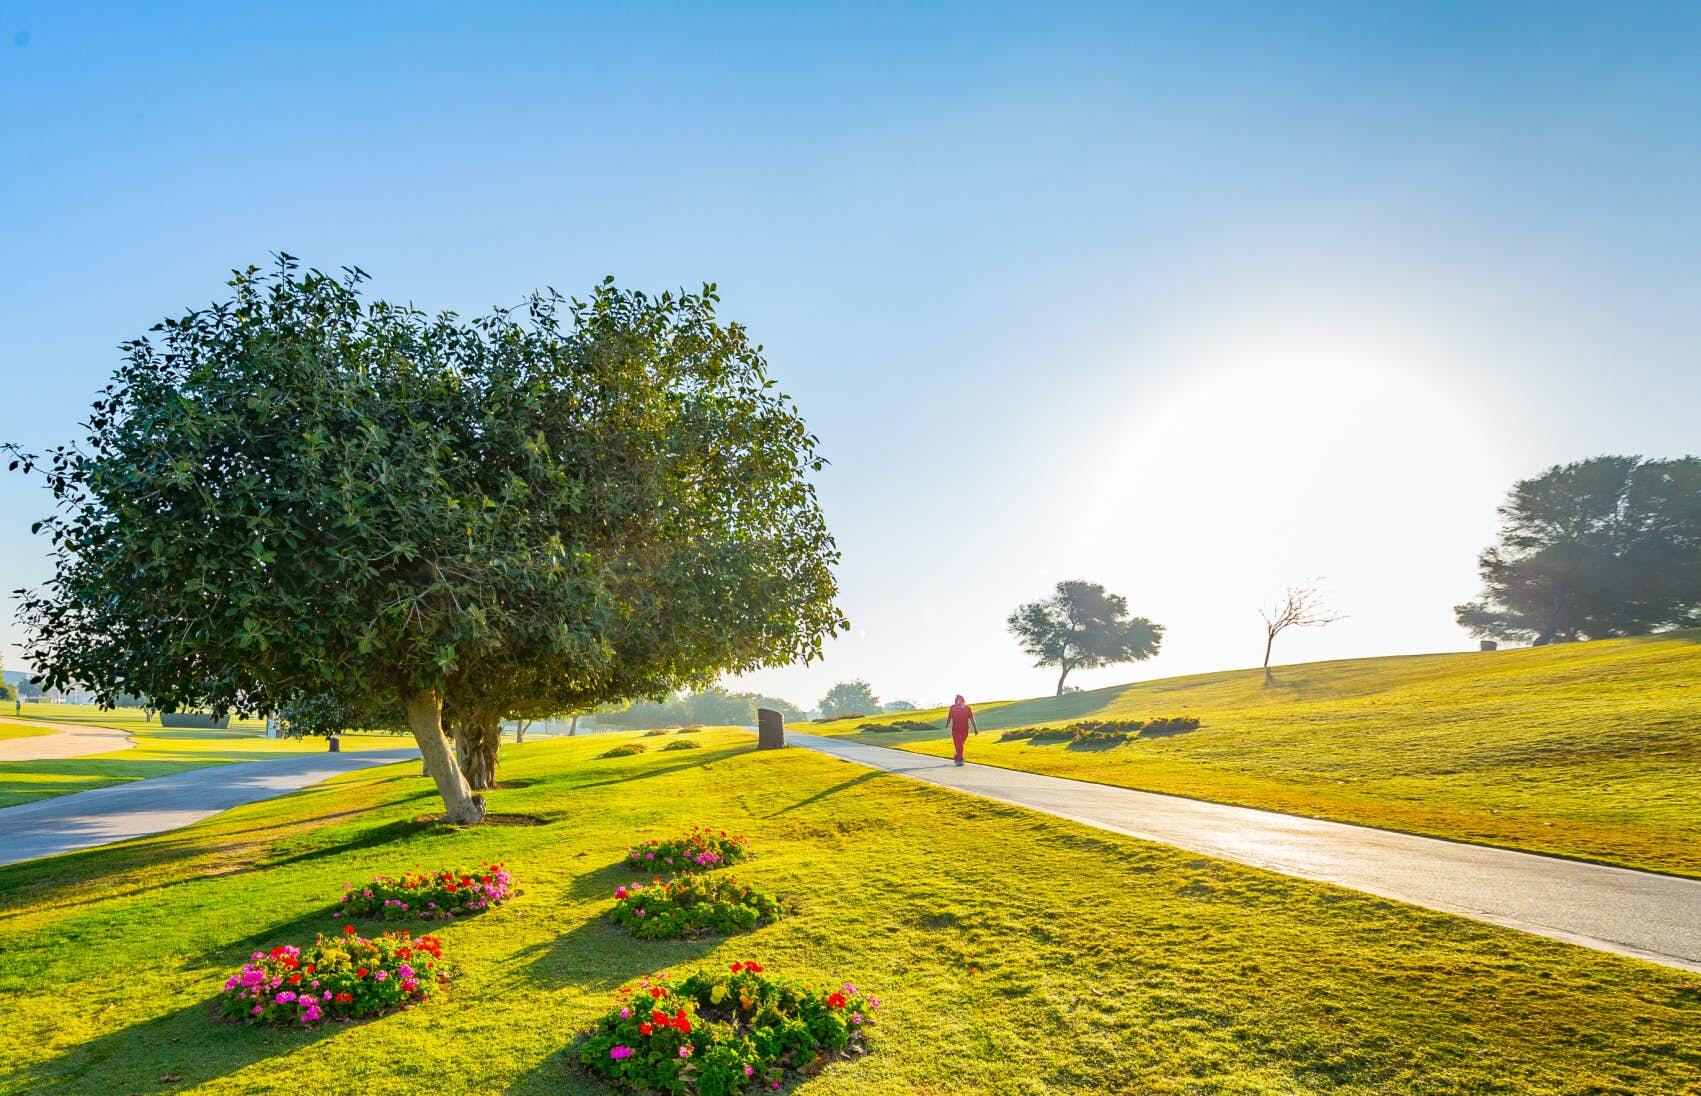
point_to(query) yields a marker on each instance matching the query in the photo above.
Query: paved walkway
(1653, 917)
(67, 740)
(101, 816)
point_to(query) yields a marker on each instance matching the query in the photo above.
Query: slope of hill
(1589, 750)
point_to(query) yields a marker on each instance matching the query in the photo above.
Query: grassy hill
(1015, 953)
(1589, 750)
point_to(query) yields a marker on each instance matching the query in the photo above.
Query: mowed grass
(1015, 953)
(1587, 750)
(10, 729)
(159, 751)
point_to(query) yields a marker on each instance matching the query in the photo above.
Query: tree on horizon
(1083, 626)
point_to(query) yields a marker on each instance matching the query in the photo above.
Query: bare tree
(1301, 606)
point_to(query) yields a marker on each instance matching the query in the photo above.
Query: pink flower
(685, 1051)
(749, 1069)
(620, 1052)
(625, 1014)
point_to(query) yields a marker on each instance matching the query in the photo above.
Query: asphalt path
(1649, 916)
(102, 816)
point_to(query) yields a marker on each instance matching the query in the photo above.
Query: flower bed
(717, 1033)
(691, 905)
(698, 849)
(1111, 732)
(682, 744)
(336, 978)
(427, 896)
(625, 750)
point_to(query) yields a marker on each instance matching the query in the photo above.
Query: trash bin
(770, 729)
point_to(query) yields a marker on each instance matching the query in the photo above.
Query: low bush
(898, 725)
(1110, 732)
(447, 892)
(336, 978)
(689, 730)
(715, 1034)
(625, 749)
(698, 849)
(686, 744)
(691, 905)
(655, 733)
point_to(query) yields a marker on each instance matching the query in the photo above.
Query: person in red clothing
(961, 717)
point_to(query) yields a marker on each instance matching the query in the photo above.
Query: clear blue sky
(1190, 299)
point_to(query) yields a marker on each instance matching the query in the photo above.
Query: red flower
(680, 1022)
(753, 968)
(658, 1017)
(736, 967)
(344, 997)
(295, 979)
(308, 968)
(655, 991)
(348, 930)
(361, 973)
(836, 1000)
(644, 1029)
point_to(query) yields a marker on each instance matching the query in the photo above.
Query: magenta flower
(621, 1052)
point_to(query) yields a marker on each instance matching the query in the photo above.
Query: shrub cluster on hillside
(1110, 732)
(720, 1033)
(899, 725)
(687, 906)
(334, 978)
(626, 749)
(445, 893)
(682, 744)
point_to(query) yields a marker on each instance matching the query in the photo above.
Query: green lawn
(1015, 953)
(11, 729)
(158, 750)
(1589, 750)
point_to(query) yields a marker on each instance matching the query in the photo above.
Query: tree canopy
(1608, 546)
(296, 495)
(849, 698)
(1082, 626)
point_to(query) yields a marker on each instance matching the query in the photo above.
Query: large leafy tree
(297, 497)
(849, 698)
(1082, 626)
(1602, 547)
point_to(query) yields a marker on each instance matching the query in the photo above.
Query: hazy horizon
(1193, 302)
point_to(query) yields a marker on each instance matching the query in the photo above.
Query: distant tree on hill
(897, 706)
(1300, 606)
(849, 698)
(1608, 546)
(1082, 627)
(7, 693)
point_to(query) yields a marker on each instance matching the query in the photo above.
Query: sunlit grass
(1589, 750)
(1015, 953)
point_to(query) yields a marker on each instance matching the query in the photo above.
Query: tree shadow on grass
(600, 957)
(702, 759)
(861, 778)
(171, 1052)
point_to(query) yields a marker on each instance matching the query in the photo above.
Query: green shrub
(688, 906)
(682, 745)
(1111, 732)
(898, 725)
(625, 749)
(654, 733)
(716, 1034)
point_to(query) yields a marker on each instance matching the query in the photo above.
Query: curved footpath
(67, 740)
(1653, 917)
(101, 816)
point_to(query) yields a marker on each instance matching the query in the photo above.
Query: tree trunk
(573, 727)
(520, 727)
(1269, 642)
(1060, 678)
(478, 737)
(425, 720)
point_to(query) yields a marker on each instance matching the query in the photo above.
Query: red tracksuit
(960, 715)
